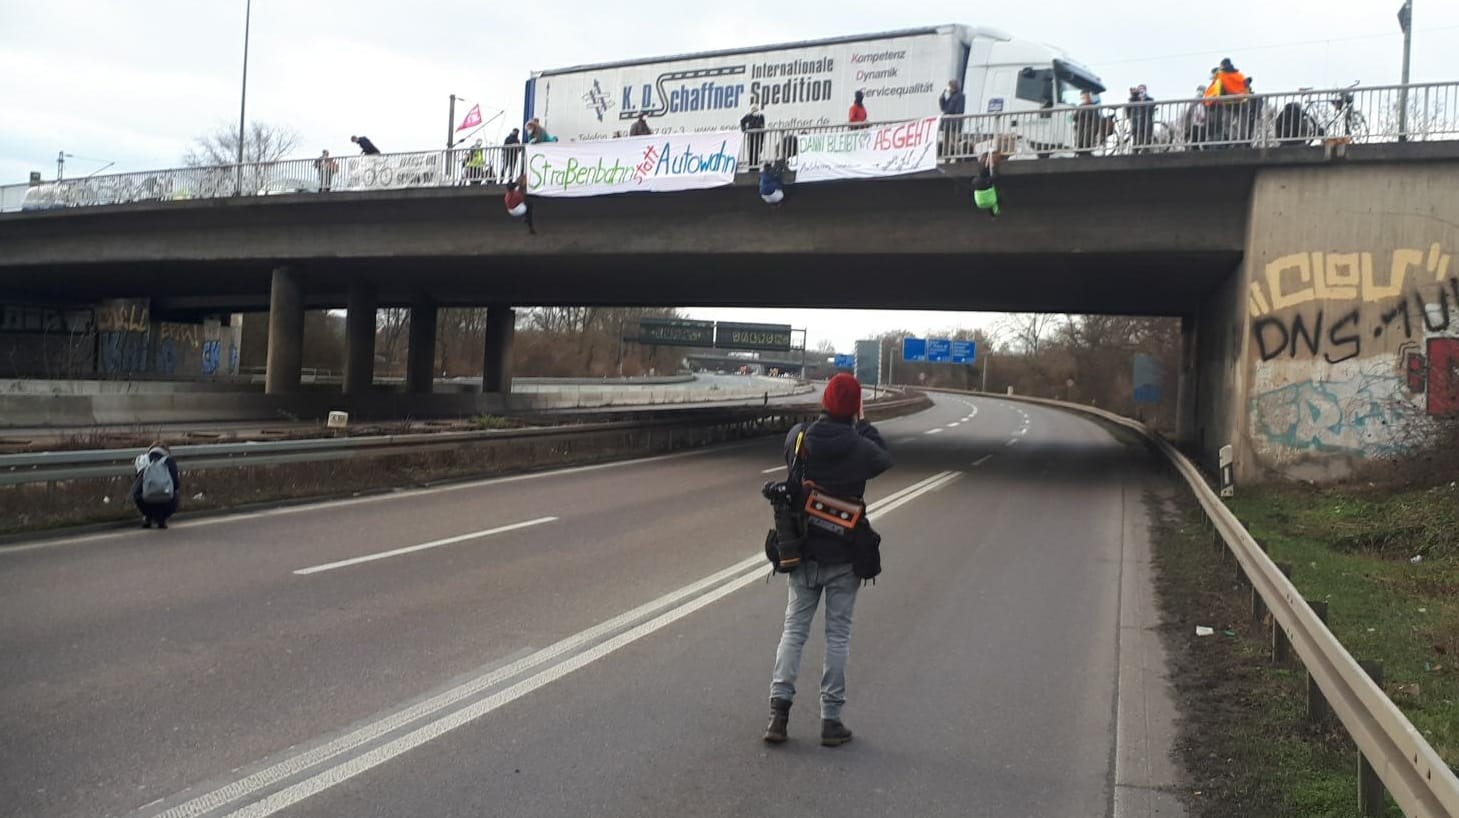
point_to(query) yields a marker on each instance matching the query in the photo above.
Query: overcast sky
(133, 82)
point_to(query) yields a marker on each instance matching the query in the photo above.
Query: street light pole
(243, 95)
(1405, 21)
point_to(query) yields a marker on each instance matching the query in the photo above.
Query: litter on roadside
(1416, 559)
(1202, 630)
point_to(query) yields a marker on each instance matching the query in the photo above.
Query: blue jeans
(806, 584)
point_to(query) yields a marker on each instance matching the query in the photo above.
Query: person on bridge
(1141, 116)
(838, 453)
(475, 164)
(640, 127)
(366, 146)
(536, 134)
(753, 124)
(511, 148)
(857, 114)
(157, 487)
(953, 104)
(327, 168)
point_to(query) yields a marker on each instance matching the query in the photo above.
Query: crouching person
(157, 487)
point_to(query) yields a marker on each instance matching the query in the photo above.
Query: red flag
(473, 118)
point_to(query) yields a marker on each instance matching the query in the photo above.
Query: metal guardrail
(1257, 121)
(1421, 783)
(45, 467)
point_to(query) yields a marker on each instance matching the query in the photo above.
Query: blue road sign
(845, 361)
(939, 350)
(914, 349)
(964, 352)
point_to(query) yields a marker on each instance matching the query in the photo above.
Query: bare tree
(262, 143)
(1028, 329)
(826, 345)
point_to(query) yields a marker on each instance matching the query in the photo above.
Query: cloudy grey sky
(133, 82)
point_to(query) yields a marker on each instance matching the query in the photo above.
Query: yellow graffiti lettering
(1275, 272)
(1257, 301)
(1398, 273)
(1341, 275)
(1438, 262)
(122, 318)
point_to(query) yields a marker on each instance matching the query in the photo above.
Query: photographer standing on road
(830, 460)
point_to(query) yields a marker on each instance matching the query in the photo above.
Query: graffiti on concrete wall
(211, 353)
(1364, 415)
(1353, 352)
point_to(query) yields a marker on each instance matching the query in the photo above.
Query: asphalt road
(594, 641)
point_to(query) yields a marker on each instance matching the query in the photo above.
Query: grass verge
(1355, 548)
(1244, 738)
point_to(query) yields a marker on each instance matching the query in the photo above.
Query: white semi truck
(902, 74)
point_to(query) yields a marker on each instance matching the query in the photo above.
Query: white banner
(889, 150)
(642, 163)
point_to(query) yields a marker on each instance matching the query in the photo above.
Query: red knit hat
(842, 397)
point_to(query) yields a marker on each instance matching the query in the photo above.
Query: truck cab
(1034, 88)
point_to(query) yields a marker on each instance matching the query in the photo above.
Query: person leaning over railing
(953, 103)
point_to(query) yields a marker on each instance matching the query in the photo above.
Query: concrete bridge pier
(359, 355)
(501, 328)
(420, 361)
(285, 333)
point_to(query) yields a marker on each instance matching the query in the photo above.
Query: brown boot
(834, 733)
(775, 731)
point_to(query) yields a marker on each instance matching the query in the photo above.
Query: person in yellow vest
(475, 164)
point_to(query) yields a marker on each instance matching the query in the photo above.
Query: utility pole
(986, 361)
(243, 95)
(1405, 22)
(451, 143)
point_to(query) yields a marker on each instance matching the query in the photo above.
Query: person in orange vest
(1226, 81)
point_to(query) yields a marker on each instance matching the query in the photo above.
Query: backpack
(157, 482)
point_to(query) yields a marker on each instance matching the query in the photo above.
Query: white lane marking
(1011, 442)
(435, 729)
(393, 495)
(932, 432)
(984, 459)
(773, 470)
(1022, 430)
(974, 412)
(288, 768)
(954, 424)
(410, 549)
(927, 486)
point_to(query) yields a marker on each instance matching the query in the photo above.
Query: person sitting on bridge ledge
(838, 453)
(772, 183)
(366, 146)
(516, 202)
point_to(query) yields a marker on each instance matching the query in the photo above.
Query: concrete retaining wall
(1351, 317)
(204, 405)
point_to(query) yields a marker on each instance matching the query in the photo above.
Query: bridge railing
(1419, 112)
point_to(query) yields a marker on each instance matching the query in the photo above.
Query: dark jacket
(953, 104)
(367, 147)
(512, 139)
(152, 456)
(639, 128)
(771, 180)
(752, 122)
(839, 457)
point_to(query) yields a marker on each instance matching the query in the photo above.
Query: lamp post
(1405, 21)
(243, 95)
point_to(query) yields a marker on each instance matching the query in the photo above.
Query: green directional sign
(769, 337)
(676, 332)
